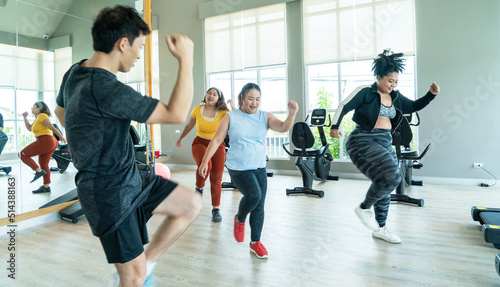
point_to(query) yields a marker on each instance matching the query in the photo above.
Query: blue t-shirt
(98, 111)
(247, 140)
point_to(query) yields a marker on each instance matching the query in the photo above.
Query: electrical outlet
(477, 165)
(177, 131)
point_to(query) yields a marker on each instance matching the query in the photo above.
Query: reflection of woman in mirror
(206, 117)
(3, 136)
(44, 145)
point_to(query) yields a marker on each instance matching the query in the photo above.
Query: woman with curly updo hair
(377, 109)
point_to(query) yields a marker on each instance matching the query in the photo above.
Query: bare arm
(179, 104)
(231, 103)
(59, 111)
(189, 126)
(283, 126)
(51, 127)
(216, 141)
(26, 122)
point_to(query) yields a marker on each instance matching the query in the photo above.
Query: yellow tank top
(206, 128)
(38, 128)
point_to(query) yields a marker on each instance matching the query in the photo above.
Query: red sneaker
(259, 250)
(239, 230)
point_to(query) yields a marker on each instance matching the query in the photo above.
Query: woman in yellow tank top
(206, 117)
(44, 145)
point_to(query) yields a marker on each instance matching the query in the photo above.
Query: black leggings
(372, 153)
(253, 185)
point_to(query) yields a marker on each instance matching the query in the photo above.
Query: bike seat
(408, 153)
(309, 152)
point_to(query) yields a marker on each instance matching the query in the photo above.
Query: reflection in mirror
(39, 41)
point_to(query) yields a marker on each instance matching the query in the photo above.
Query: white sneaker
(367, 217)
(385, 234)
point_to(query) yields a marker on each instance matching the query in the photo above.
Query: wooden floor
(311, 242)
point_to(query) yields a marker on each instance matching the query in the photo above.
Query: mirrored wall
(39, 41)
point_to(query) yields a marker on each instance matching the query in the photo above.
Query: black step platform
(476, 210)
(70, 213)
(68, 196)
(6, 169)
(489, 218)
(491, 228)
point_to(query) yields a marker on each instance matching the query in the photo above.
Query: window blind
(343, 30)
(245, 39)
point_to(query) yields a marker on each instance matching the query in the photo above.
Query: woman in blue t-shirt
(247, 128)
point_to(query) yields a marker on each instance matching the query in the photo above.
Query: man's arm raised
(180, 101)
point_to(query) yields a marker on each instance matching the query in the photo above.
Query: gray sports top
(389, 112)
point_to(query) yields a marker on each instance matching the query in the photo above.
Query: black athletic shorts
(128, 240)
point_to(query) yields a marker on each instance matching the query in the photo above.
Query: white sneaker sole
(387, 239)
(260, 257)
(371, 223)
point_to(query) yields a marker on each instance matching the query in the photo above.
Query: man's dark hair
(114, 23)
(388, 62)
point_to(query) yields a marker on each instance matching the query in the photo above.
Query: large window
(329, 84)
(341, 39)
(272, 82)
(250, 46)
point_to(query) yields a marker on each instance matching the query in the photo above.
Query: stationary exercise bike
(6, 169)
(313, 164)
(61, 155)
(408, 159)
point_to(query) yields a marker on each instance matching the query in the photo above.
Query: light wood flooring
(311, 242)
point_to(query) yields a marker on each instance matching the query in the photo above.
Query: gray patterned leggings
(372, 153)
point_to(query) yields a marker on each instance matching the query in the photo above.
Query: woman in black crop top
(376, 110)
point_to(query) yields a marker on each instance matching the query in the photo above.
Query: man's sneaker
(42, 189)
(385, 234)
(216, 217)
(259, 250)
(367, 217)
(239, 230)
(150, 281)
(38, 174)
